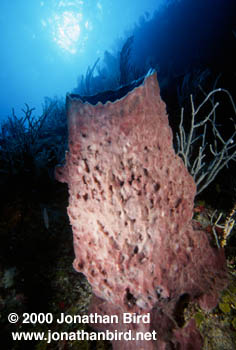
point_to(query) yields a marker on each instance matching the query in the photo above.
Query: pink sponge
(130, 207)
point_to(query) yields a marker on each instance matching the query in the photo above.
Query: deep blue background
(47, 45)
(34, 63)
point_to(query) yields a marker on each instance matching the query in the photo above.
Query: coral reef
(130, 207)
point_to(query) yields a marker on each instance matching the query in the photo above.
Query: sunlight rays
(67, 30)
(67, 25)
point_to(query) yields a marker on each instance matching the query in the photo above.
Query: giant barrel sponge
(130, 207)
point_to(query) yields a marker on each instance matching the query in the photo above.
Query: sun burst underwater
(68, 26)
